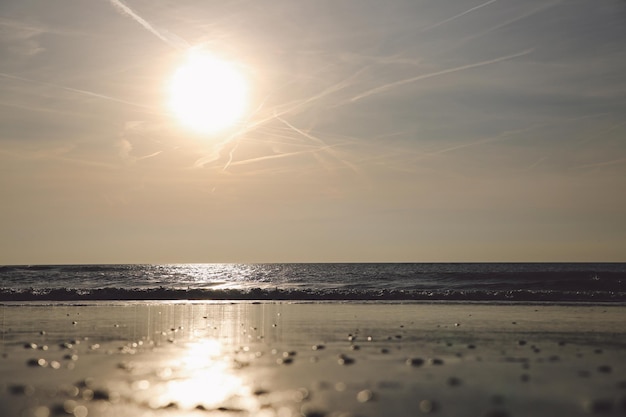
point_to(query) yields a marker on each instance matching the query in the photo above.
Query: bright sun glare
(208, 94)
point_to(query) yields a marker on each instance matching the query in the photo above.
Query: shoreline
(298, 358)
(426, 302)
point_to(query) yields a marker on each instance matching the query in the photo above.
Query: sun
(208, 94)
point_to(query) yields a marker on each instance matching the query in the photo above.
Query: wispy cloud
(603, 164)
(395, 84)
(450, 19)
(165, 36)
(20, 38)
(147, 109)
(512, 20)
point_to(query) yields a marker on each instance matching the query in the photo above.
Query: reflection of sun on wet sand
(325, 359)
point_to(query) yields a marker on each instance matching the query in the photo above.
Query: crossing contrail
(398, 83)
(174, 41)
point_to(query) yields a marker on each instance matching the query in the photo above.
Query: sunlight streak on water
(201, 377)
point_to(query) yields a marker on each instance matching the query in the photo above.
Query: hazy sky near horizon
(404, 130)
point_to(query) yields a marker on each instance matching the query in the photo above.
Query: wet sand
(321, 359)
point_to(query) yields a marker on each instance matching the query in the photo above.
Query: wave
(161, 293)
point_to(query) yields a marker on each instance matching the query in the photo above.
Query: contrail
(394, 84)
(75, 90)
(179, 43)
(513, 20)
(282, 155)
(324, 146)
(231, 155)
(153, 154)
(603, 164)
(450, 19)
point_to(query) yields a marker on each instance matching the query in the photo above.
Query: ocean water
(553, 282)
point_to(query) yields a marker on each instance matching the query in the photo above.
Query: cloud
(165, 36)
(146, 109)
(394, 84)
(450, 19)
(20, 38)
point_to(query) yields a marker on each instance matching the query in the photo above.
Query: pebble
(345, 360)
(365, 396)
(19, 389)
(306, 411)
(599, 406)
(41, 411)
(42, 363)
(103, 395)
(415, 361)
(454, 381)
(58, 409)
(428, 406)
(86, 383)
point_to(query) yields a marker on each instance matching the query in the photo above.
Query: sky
(395, 131)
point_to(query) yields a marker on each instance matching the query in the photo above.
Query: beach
(311, 359)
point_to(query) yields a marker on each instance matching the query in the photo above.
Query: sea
(375, 282)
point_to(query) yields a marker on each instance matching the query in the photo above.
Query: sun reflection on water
(202, 378)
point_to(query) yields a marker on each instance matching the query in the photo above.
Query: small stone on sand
(453, 381)
(599, 406)
(415, 361)
(428, 406)
(345, 360)
(365, 396)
